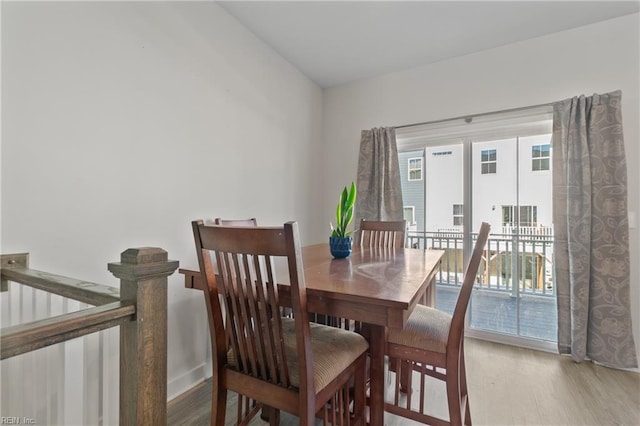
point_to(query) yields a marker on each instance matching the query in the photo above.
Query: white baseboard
(178, 385)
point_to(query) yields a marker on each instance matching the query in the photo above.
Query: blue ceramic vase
(340, 246)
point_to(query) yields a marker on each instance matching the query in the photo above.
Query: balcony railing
(45, 390)
(519, 262)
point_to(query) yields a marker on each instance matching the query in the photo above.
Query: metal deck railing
(519, 262)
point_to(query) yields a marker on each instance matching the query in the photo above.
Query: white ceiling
(336, 42)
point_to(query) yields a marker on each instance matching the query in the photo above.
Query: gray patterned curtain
(592, 231)
(378, 182)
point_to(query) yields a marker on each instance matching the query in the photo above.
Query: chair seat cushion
(334, 349)
(427, 328)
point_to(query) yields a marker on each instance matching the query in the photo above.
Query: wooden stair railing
(139, 308)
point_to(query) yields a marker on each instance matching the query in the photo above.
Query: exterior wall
(443, 172)
(509, 186)
(532, 182)
(444, 185)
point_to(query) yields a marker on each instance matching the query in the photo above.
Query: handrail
(83, 291)
(22, 338)
(139, 307)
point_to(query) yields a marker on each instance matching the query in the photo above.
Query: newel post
(143, 276)
(8, 261)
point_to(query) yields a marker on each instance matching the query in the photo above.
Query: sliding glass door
(511, 189)
(450, 186)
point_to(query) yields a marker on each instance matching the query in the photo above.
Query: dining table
(378, 286)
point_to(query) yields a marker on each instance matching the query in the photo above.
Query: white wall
(122, 122)
(597, 58)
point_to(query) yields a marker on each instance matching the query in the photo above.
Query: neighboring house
(512, 181)
(412, 177)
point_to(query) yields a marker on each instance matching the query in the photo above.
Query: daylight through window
(488, 161)
(458, 215)
(528, 216)
(415, 168)
(540, 155)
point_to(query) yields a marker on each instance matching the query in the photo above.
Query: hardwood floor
(507, 386)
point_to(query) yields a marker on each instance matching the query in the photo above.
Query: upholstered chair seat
(427, 328)
(334, 349)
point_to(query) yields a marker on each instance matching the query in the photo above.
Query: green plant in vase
(341, 240)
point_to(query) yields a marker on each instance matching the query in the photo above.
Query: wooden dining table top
(387, 282)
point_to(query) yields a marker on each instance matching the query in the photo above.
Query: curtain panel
(378, 180)
(592, 231)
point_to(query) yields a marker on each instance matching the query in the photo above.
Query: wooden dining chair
(432, 343)
(245, 404)
(382, 234)
(286, 363)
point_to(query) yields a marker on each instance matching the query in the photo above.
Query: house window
(415, 168)
(488, 161)
(458, 215)
(410, 215)
(528, 215)
(540, 156)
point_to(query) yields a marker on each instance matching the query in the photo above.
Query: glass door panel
(493, 305)
(537, 306)
(500, 173)
(511, 189)
(434, 209)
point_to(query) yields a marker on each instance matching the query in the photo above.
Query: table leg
(376, 347)
(429, 298)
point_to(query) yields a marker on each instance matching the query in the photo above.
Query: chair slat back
(457, 322)
(248, 281)
(382, 234)
(250, 303)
